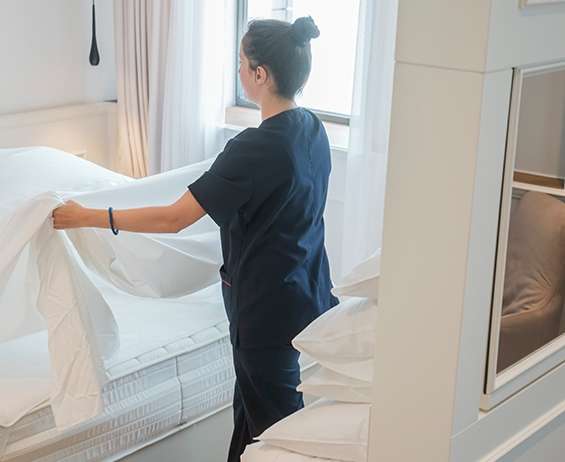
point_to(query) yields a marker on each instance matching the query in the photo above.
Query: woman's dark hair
(284, 49)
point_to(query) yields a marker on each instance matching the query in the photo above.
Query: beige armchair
(534, 286)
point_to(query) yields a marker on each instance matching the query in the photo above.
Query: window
(527, 337)
(330, 86)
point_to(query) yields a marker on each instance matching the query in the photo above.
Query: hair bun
(304, 29)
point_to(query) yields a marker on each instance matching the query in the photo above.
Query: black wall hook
(94, 57)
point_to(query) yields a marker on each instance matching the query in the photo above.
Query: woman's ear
(261, 75)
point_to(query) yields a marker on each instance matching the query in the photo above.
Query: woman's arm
(166, 219)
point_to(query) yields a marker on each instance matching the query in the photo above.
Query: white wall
(44, 46)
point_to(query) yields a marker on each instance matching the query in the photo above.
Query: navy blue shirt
(267, 192)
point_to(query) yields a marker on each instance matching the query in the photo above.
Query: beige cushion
(534, 286)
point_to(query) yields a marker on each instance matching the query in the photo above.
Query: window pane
(330, 86)
(530, 290)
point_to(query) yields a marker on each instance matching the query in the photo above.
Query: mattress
(148, 395)
(172, 374)
(174, 365)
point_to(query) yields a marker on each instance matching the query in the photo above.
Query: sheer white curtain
(186, 104)
(369, 128)
(131, 19)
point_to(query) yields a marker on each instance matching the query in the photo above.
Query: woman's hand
(69, 215)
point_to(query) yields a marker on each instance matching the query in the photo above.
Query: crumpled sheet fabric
(82, 331)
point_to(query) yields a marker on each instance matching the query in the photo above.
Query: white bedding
(178, 374)
(84, 277)
(160, 383)
(260, 452)
(25, 380)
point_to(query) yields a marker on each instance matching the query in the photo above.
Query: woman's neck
(274, 105)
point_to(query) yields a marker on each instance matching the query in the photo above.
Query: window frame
(499, 386)
(241, 24)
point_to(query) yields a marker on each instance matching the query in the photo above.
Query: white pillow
(259, 452)
(363, 281)
(343, 338)
(329, 384)
(324, 429)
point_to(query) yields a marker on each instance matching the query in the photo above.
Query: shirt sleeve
(224, 189)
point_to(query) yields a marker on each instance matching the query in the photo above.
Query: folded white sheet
(81, 327)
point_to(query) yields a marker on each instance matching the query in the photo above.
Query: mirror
(529, 286)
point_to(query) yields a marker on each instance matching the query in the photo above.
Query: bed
(169, 372)
(170, 363)
(170, 378)
(173, 382)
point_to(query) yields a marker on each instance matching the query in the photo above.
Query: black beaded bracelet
(111, 216)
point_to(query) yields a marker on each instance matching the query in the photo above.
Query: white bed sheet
(82, 330)
(25, 377)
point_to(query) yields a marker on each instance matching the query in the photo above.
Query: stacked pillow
(328, 429)
(363, 281)
(343, 338)
(342, 341)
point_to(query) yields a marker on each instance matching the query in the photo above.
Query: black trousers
(265, 392)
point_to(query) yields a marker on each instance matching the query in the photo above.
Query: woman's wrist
(96, 218)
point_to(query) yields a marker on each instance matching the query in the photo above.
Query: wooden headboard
(88, 130)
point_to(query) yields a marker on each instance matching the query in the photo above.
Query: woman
(267, 192)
